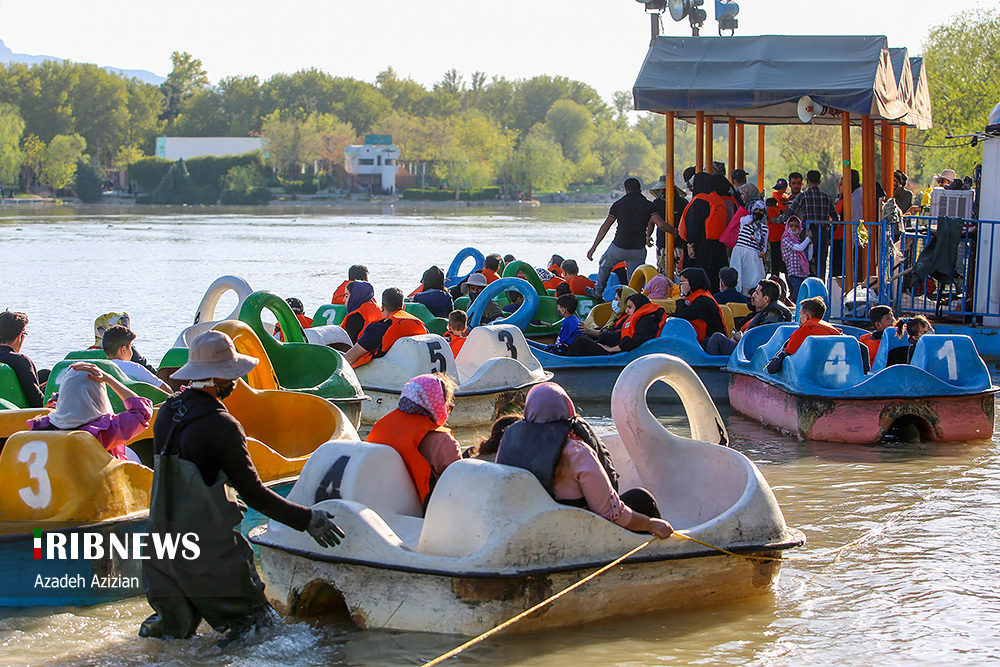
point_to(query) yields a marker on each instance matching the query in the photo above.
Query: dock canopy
(921, 108)
(761, 79)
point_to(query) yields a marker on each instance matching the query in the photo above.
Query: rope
(512, 621)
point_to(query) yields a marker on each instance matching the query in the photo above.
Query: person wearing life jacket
(882, 318)
(200, 450)
(698, 306)
(767, 309)
(908, 331)
(416, 429)
(356, 272)
(565, 455)
(361, 309)
(473, 287)
(702, 225)
(776, 205)
(300, 314)
(458, 330)
(379, 336)
(643, 321)
(433, 294)
(577, 284)
(555, 266)
(549, 279)
(491, 267)
(811, 323)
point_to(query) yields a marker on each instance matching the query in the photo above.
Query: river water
(920, 588)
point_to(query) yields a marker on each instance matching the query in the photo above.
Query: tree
(175, 187)
(202, 115)
(406, 96)
(245, 184)
(32, 156)
(187, 76)
(474, 152)
(11, 157)
(572, 127)
(242, 103)
(538, 162)
(622, 101)
(59, 160)
(89, 182)
(963, 58)
(627, 153)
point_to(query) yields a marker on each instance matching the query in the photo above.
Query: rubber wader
(221, 585)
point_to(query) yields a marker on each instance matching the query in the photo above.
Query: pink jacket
(580, 475)
(112, 431)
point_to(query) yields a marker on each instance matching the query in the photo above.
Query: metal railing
(882, 271)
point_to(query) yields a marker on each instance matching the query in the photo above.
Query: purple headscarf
(360, 293)
(425, 395)
(548, 402)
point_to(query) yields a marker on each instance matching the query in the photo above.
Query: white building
(372, 165)
(178, 148)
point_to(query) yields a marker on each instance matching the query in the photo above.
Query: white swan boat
(493, 542)
(494, 366)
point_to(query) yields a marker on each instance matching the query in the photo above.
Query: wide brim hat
(477, 279)
(213, 355)
(659, 185)
(949, 174)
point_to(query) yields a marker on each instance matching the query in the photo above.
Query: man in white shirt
(118, 349)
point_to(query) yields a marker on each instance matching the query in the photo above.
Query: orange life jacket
(812, 327)
(369, 313)
(306, 323)
(716, 222)
(403, 324)
(456, 342)
(557, 270)
(628, 329)
(340, 294)
(838, 230)
(403, 432)
(420, 288)
(577, 285)
(775, 230)
(490, 274)
(872, 345)
(701, 326)
(553, 282)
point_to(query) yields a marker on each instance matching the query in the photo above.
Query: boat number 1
(36, 454)
(507, 338)
(947, 353)
(434, 348)
(836, 364)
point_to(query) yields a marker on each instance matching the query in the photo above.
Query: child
(486, 450)
(577, 284)
(563, 289)
(83, 405)
(913, 328)
(811, 323)
(795, 255)
(118, 349)
(515, 299)
(881, 318)
(457, 331)
(570, 328)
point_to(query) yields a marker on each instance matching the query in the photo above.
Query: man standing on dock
(635, 216)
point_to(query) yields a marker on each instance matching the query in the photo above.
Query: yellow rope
(507, 624)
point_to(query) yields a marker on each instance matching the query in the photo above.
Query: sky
(599, 42)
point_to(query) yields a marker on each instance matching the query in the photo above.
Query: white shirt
(138, 372)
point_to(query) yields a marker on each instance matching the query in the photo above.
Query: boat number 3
(947, 353)
(434, 349)
(36, 454)
(507, 338)
(836, 364)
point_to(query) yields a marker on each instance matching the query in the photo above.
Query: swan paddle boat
(822, 392)
(493, 542)
(494, 367)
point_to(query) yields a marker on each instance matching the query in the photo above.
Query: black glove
(774, 366)
(323, 529)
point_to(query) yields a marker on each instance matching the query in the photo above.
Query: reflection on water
(921, 589)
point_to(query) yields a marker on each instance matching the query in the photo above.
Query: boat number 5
(434, 349)
(836, 364)
(507, 338)
(36, 454)
(947, 353)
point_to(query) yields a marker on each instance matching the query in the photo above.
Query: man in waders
(199, 448)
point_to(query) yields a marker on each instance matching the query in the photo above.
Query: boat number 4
(947, 353)
(836, 364)
(434, 349)
(507, 338)
(36, 454)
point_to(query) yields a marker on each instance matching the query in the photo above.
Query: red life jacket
(553, 282)
(403, 324)
(628, 329)
(701, 326)
(340, 294)
(369, 313)
(775, 230)
(456, 342)
(812, 327)
(557, 270)
(490, 274)
(872, 345)
(578, 285)
(403, 432)
(306, 323)
(717, 219)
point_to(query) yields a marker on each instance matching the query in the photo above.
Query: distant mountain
(8, 56)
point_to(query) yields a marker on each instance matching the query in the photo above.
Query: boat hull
(471, 410)
(383, 598)
(592, 384)
(862, 421)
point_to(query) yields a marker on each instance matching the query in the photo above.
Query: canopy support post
(709, 143)
(760, 158)
(849, 229)
(732, 145)
(740, 145)
(669, 249)
(868, 177)
(699, 152)
(902, 151)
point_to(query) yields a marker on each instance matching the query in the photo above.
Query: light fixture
(725, 14)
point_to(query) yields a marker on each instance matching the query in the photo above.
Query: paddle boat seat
(407, 358)
(825, 362)
(154, 394)
(952, 359)
(760, 344)
(493, 350)
(10, 388)
(329, 313)
(67, 476)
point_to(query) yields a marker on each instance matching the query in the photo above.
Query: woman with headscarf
(416, 430)
(432, 293)
(643, 321)
(361, 308)
(748, 254)
(658, 287)
(83, 405)
(698, 306)
(548, 443)
(704, 220)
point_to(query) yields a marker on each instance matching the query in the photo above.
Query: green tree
(11, 156)
(622, 102)
(242, 103)
(175, 187)
(475, 150)
(538, 163)
(89, 182)
(99, 102)
(32, 156)
(59, 160)
(406, 96)
(572, 127)
(962, 57)
(201, 115)
(187, 76)
(245, 184)
(626, 153)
